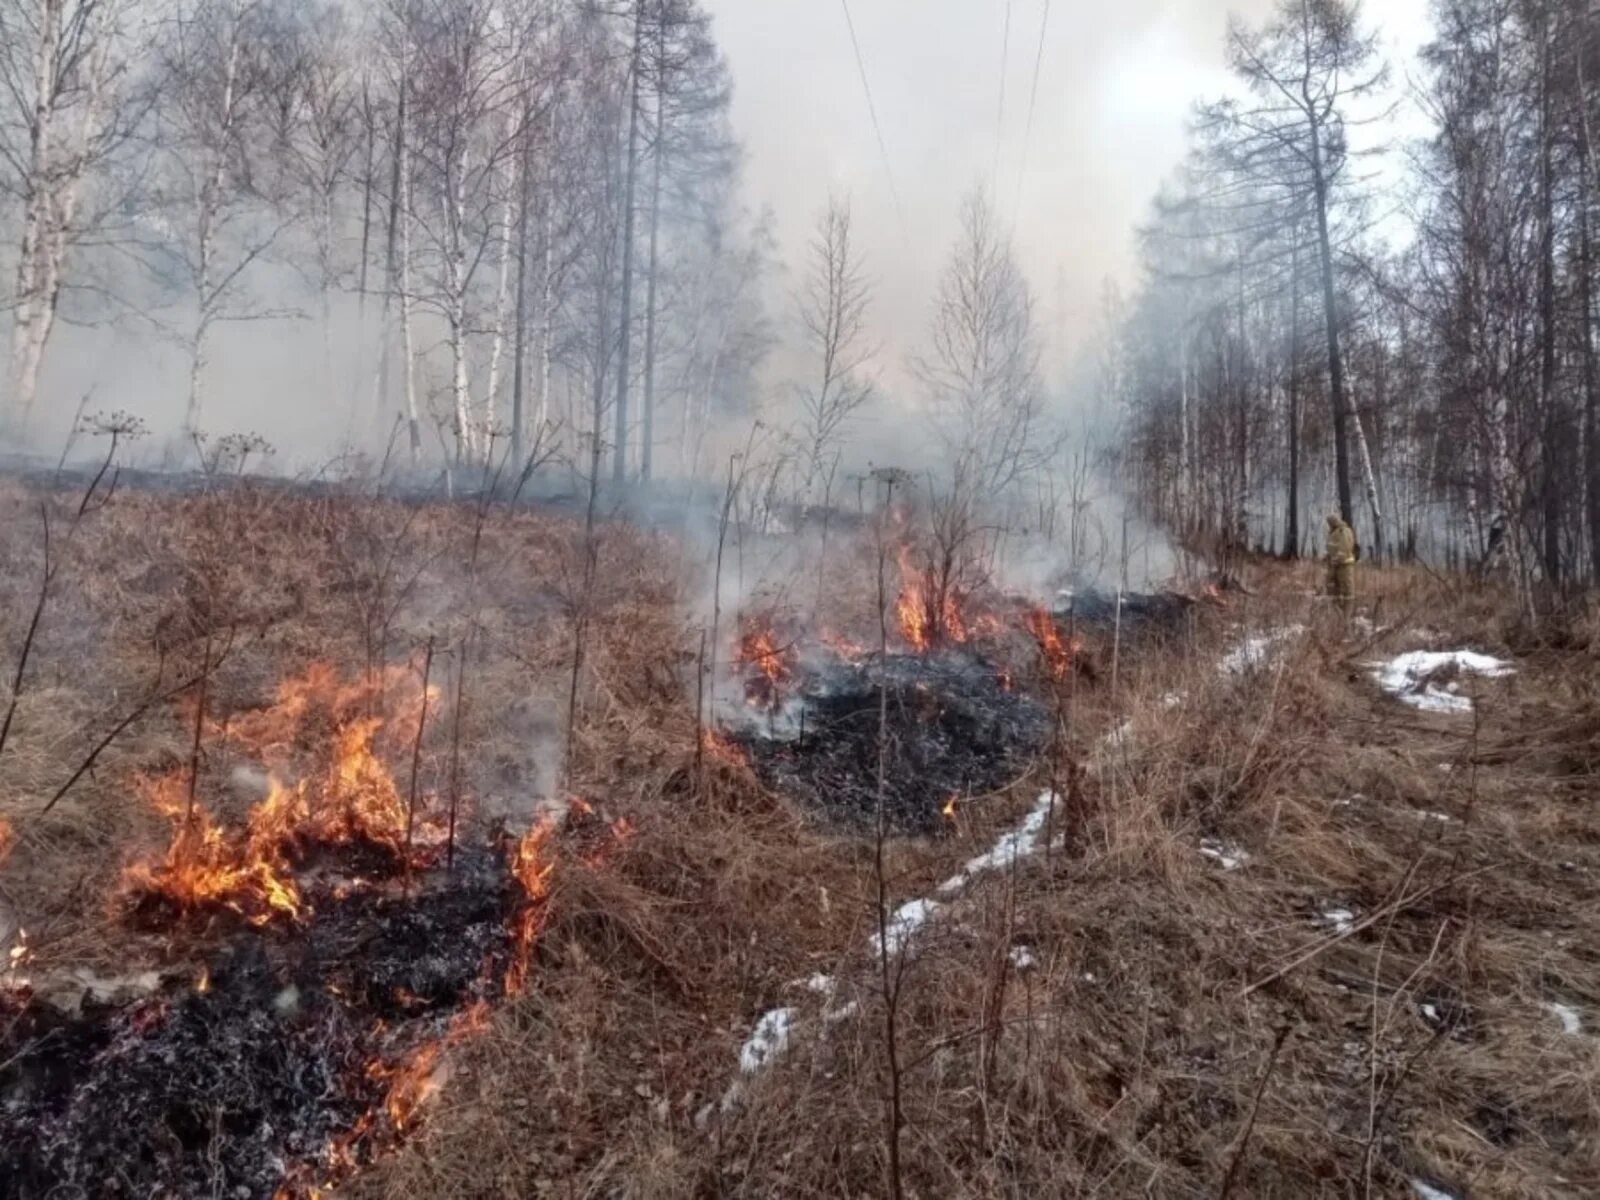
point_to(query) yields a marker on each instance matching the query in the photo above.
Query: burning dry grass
(1296, 926)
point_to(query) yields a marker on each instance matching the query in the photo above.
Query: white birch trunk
(407, 350)
(502, 297)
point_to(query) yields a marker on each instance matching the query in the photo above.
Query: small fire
(840, 644)
(773, 666)
(949, 809)
(531, 867)
(203, 984)
(203, 868)
(927, 617)
(17, 957)
(1058, 652)
(720, 748)
(351, 798)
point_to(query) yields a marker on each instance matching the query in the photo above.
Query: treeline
(512, 222)
(1291, 353)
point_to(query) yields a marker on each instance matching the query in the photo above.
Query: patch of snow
(819, 983)
(1022, 958)
(1228, 857)
(767, 1041)
(1571, 1019)
(1426, 1191)
(1340, 920)
(1173, 699)
(1120, 736)
(908, 918)
(1442, 818)
(1011, 846)
(1431, 1012)
(1405, 677)
(834, 1015)
(1254, 651)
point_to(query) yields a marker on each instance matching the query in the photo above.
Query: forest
(1420, 353)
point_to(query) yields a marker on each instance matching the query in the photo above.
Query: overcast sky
(1117, 82)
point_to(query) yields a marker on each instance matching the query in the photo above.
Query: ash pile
(955, 728)
(288, 1058)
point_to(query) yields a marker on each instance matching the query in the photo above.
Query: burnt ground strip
(234, 1089)
(954, 729)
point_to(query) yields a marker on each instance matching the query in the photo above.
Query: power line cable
(1033, 105)
(872, 111)
(1000, 116)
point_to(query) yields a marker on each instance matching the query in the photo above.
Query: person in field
(1343, 551)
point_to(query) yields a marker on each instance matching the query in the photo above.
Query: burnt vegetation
(606, 784)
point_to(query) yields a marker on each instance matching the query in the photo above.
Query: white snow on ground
(1022, 958)
(1227, 856)
(819, 983)
(768, 1040)
(1340, 920)
(1254, 651)
(1426, 1191)
(1016, 844)
(1405, 677)
(1571, 1020)
(908, 918)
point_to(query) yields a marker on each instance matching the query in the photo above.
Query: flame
(17, 957)
(1057, 651)
(355, 798)
(414, 1082)
(841, 645)
(204, 869)
(774, 666)
(927, 619)
(531, 867)
(203, 984)
(719, 748)
(910, 607)
(949, 809)
(350, 798)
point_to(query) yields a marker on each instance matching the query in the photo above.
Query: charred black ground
(237, 1085)
(954, 729)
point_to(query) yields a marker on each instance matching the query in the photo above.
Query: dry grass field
(1277, 933)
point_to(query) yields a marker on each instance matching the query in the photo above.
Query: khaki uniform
(1342, 555)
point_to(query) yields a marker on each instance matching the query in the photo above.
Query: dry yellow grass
(1130, 1058)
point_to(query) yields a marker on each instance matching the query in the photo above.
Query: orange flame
(719, 748)
(355, 798)
(1058, 652)
(774, 666)
(928, 618)
(204, 869)
(351, 798)
(531, 866)
(949, 809)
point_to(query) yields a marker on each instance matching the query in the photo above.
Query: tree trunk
(391, 240)
(1336, 381)
(619, 461)
(1291, 548)
(1550, 449)
(519, 354)
(408, 359)
(1591, 378)
(647, 440)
